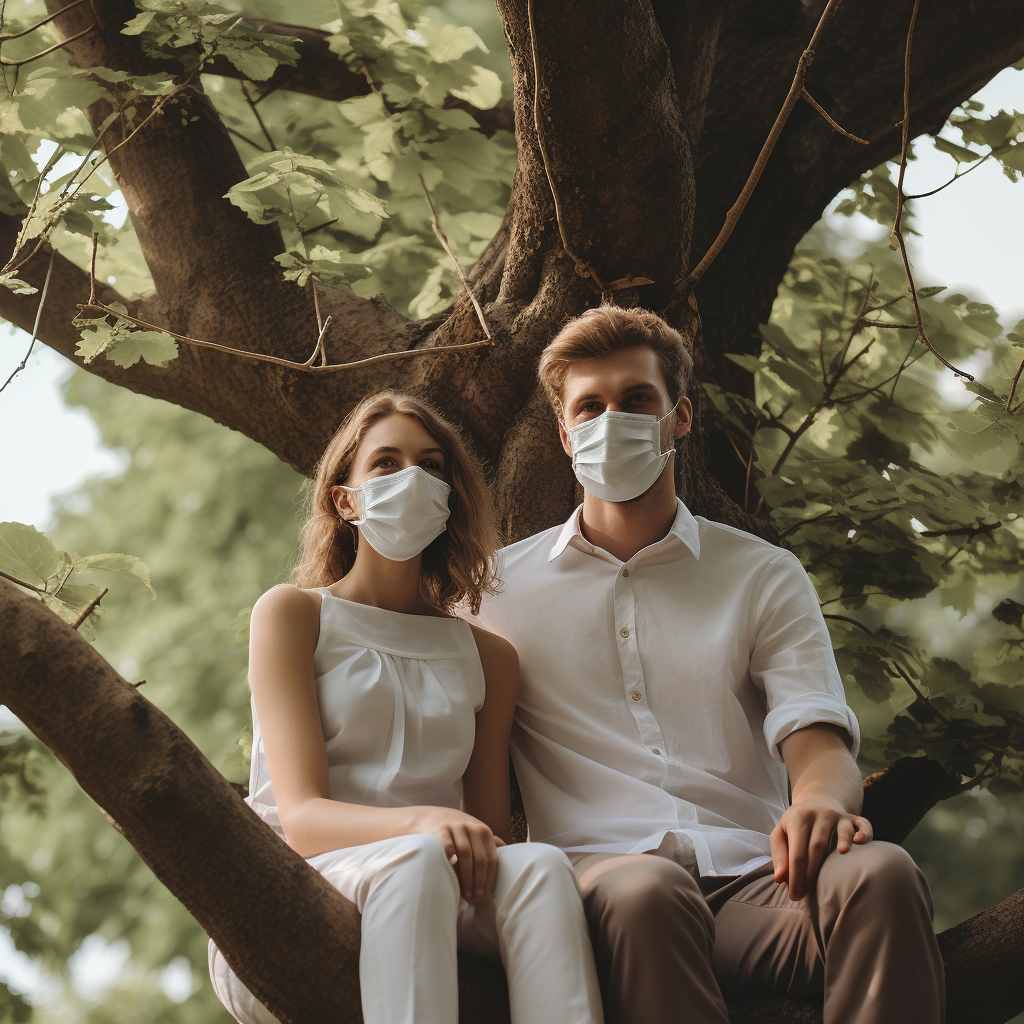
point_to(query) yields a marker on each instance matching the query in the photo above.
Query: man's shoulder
(720, 541)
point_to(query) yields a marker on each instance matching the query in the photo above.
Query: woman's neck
(383, 583)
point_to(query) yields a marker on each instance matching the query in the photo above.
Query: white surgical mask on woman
(401, 513)
(617, 455)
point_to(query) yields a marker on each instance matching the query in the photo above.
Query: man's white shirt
(655, 692)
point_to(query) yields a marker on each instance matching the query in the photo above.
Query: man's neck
(622, 528)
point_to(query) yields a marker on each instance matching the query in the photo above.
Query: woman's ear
(342, 498)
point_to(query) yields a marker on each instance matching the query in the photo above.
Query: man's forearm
(820, 767)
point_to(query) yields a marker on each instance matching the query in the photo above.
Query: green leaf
(27, 555)
(115, 562)
(155, 347)
(11, 281)
(959, 153)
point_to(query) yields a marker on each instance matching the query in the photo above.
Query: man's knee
(880, 872)
(645, 893)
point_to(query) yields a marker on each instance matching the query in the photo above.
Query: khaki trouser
(670, 948)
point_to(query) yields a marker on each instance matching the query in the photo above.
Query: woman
(380, 734)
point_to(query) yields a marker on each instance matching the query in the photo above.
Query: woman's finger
(464, 866)
(479, 840)
(865, 833)
(779, 843)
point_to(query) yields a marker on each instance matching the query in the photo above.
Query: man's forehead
(624, 369)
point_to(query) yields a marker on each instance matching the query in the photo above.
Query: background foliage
(899, 504)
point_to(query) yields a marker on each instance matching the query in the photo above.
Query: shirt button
(624, 632)
(655, 750)
(635, 694)
(625, 572)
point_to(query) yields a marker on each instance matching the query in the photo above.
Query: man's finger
(845, 832)
(865, 833)
(780, 852)
(799, 838)
(817, 850)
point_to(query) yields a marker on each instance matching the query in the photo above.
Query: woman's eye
(385, 463)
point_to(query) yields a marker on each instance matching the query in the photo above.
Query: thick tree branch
(190, 827)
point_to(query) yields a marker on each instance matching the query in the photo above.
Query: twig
(245, 138)
(277, 360)
(684, 287)
(852, 622)
(90, 608)
(259, 119)
(1013, 385)
(35, 327)
(583, 268)
(318, 227)
(442, 238)
(21, 583)
(895, 666)
(8, 63)
(901, 199)
(956, 177)
(5, 36)
(804, 94)
(92, 268)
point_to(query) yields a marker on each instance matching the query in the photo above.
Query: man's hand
(801, 840)
(471, 848)
(827, 798)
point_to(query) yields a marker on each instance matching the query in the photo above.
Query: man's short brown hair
(605, 329)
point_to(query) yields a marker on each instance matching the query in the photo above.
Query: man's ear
(343, 502)
(684, 417)
(563, 436)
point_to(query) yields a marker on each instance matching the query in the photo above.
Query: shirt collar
(684, 529)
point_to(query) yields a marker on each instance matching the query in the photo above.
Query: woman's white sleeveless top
(398, 697)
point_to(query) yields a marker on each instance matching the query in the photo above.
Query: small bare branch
(8, 63)
(686, 285)
(804, 94)
(443, 239)
(90, 608)
(35, 328)
(901, 199)
(1013, 385)
(99, 307)
(5, 36)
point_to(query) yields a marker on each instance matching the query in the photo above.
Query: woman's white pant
(413, 918)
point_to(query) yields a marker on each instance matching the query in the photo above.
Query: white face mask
(401, 513)
(617, 455)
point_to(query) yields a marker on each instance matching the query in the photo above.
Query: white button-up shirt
(655, 692)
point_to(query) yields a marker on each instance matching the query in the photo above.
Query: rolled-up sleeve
(791, 656)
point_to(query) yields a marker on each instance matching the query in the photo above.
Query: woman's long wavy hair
(458, 566)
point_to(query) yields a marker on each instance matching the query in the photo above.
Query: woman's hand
(470, 846)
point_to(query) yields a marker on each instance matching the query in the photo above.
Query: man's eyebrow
(632, 389)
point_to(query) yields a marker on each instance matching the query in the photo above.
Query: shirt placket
(634, 685)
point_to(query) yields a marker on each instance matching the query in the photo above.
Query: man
(677, 680)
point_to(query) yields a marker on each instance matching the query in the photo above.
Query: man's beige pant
(671, 948)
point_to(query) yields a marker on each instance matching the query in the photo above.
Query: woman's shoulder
(286, 604)
(494, 650)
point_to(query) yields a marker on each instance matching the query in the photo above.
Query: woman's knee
(420, 860)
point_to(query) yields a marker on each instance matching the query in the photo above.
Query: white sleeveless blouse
(398, 695)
